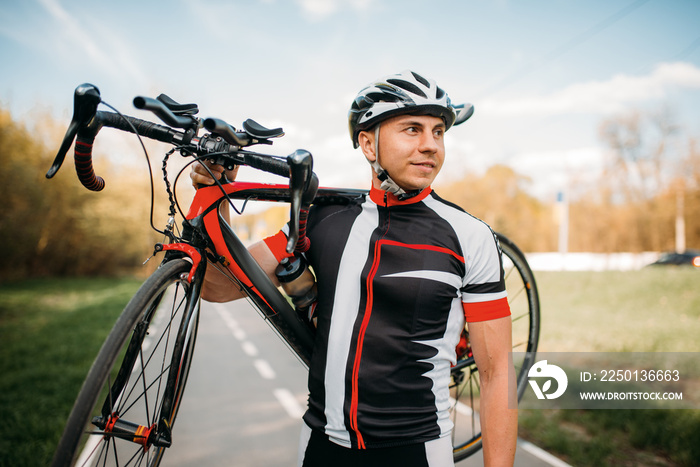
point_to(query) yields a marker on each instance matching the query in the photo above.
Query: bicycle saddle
(177, 108)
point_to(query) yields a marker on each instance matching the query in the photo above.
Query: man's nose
(428, 143)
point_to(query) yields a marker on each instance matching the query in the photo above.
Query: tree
(56, 227)
(500, 198)
(638, 171)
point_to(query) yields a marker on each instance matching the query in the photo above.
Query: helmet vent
(421, 80)
(381, 97)
(410, 87)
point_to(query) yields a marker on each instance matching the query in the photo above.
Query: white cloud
(321, 9)
(599, 97)
(102, 47)
(559, 170)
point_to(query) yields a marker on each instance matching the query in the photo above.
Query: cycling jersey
(396, 280)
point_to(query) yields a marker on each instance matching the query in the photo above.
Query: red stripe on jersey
(365, 322)
(485, 311)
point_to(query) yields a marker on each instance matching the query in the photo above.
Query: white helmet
(404, 93)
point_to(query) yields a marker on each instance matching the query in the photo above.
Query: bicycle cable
(172, 192)
(216, 181)
(211, 174)
(148, 163)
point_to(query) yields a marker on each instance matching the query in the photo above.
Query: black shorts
(316, 450)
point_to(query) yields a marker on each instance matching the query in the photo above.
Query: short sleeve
(484, 292)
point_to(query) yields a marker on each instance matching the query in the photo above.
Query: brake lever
(85, 101)
(303, 185)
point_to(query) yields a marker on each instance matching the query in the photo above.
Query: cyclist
(398, 273)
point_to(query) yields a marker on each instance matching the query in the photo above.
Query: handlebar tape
(267, 164)
(304, 242)
(144, 128)
(86, 137)
(83, 163)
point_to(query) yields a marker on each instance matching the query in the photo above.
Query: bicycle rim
(465, 385)
(116, 417)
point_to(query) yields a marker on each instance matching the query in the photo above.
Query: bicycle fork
(110, 423)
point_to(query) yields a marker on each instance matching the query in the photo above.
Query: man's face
(411, 149)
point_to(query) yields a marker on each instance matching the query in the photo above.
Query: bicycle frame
(229, 250)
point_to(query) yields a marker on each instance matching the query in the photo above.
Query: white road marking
(249, 349)
(284, 396)
(264, 369)
(541, 454)
(232, 324)
(289, 402)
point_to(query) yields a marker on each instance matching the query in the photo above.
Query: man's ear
(366, 142)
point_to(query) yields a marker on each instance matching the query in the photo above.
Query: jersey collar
(388, 199)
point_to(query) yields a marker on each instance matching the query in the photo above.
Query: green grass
(651, 310)
(50, 331)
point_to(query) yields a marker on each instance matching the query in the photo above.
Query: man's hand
(200, 175)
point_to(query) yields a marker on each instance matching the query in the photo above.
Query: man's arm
(491, 344)
(219, 287)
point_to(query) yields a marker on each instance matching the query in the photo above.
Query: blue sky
(541, 74)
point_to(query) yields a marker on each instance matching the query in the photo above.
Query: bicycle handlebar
(87, 122)
(224, 144)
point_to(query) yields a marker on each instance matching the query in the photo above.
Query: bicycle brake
(85, 101)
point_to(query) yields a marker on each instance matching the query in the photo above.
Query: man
(398, 272)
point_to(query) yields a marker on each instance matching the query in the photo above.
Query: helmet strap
(387, 183)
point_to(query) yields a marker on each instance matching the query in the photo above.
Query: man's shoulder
(454, 211)
(334, 212)
(334, 206)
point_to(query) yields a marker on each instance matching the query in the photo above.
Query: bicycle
(127, 407)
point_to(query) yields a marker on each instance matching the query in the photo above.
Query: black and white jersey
(396, 280)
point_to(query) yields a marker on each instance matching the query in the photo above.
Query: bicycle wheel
(118, 416)
(465, 385)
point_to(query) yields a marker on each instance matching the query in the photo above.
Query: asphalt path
(245, 396)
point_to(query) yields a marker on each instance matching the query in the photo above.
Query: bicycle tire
(153, 331)
(525, 314)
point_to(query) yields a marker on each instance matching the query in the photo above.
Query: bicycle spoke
(154, 349)
(519, 317)
(515, 296)
(145, 389)
(116, 454)
(126, 408)
(158, 378)
(174, 309)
